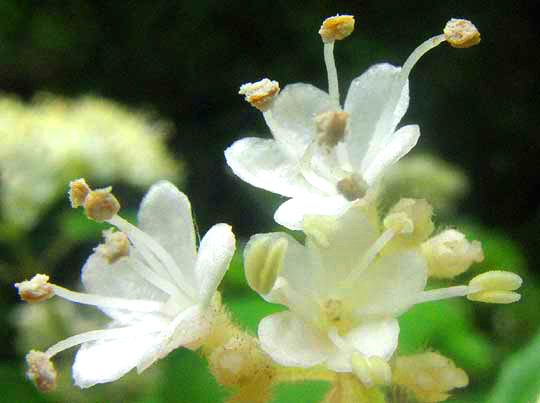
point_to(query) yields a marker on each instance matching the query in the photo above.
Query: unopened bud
(41, 370)
(461, 33)
(352, 187)
(429, 375)
(495, 287)
(336, 28)
(400, 222)
(371, 371)
(331, 128)
(101, 205)
(419, 213)
(264, 258)
(260, 94)
(115, 247)
(450, 254)
(78, 190)
(37, 289)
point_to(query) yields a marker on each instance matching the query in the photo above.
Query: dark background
(477, 108)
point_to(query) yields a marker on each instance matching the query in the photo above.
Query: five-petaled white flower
(324, 156)
(157, 291)
(343, 294)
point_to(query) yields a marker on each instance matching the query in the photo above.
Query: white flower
(157, 297)
(324, 155)
(343, 294)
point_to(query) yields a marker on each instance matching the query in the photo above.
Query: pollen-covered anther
(78, 191)
(101, 205)
(461, 33)
(371, 371)
(260, 94)
(495, 287)
(115, 247)
(352, 187)
(450, 254)
(263, 261)
(41, 370)
(429, 375)
(37, 289)
(336, 28)
(331, 128)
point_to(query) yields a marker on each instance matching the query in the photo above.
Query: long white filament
(136, 305)
(94, 335)
(142, 270)
(333, 87)
(419, 52)
(149, 248)
(444, 293)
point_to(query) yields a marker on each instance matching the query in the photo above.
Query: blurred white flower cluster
(46, 142)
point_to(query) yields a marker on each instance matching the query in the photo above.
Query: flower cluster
(344, 287)
(45, 142)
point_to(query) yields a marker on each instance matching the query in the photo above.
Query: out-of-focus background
(128, 92)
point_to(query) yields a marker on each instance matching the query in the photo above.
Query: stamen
(136, 305)
(371, 254)
(333, 86)
(419, 52)
(263, 261)
(37, 289)
(41, 370)
(260, 94)
(153, 278)
(443, 293)
(150, 249)
(94, 335)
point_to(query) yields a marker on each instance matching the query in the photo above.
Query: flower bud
(336, 28)
(371, 371)
(450, 254)
(115, 247)
(461, 33)
(78, 190)
(495, 287)
(101, 205)
(41, 370)
(37, 289)
(260, 94)
(264, 257)
(429, 375)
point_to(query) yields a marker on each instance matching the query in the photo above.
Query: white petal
(118, 280)
(292, 342)
(399, 144)
(262, 163)
(372, 338)
(376, 104)
(292, 116)
(107, 360)
(291, 213)
(342, 247)
(390, 285)
(215, 253)
(165, 215)
(188, 329)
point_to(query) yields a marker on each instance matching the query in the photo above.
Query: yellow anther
(78, 190)
(495, 287)
(115, 247)
(260, 94)
(461, 33)
(101, 205)
(331, 128)
(37, 289)
(41, 370)
(263, 261)
(419, 212)
(371, 371)
(336, 28)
